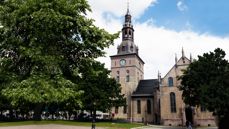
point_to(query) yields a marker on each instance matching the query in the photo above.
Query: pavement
(170, 127)
(53, 126)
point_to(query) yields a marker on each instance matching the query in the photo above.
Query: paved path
(53, 126)
(50, 126)
(169, 127)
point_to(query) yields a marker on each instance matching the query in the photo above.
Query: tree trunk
(223, 122)
(93, 119)
(37, 112)
(11, 114)
(1, 118)
(69, 115)
(75, 116)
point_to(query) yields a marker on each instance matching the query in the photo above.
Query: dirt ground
(50, 126)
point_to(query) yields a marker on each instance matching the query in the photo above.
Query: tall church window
(124, 109)
(148, 106)
(116, 110)
(173, 102)
(170, 81)
(159, 105)
(139, 106)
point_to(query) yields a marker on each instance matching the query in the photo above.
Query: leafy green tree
(206, 83)
(100, 91)
(42, 45)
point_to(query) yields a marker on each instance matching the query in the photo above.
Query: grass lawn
(110, 125)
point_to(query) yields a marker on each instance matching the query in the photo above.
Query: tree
(100, 91)
(206, 83)
(42, 45)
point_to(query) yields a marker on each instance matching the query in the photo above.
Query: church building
(156, 101)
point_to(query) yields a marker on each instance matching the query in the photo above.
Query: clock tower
(127, 67)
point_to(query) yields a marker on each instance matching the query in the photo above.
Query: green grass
(109, 125)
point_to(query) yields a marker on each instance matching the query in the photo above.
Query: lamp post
(93, 116)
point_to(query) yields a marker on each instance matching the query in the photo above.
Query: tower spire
(191, 57)
(183, 53)
(159, 77)
(127, 45)
(128, 4)
(175, 58)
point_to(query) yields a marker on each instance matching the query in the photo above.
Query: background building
(157, 101)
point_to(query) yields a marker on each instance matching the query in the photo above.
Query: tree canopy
(101, 92)
(206, 83)
(42, 46)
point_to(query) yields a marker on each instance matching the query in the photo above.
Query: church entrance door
(189, 114)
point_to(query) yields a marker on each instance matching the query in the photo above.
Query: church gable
(170, 79)
(183, 61)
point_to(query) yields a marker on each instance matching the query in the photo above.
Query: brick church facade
(157, 100)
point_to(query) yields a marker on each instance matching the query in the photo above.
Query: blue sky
(163, 27)
(203, 16)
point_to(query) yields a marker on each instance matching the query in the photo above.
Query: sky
(164, 27)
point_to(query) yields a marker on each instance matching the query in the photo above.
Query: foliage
(205, 83)
(100, 91)
(42, 46)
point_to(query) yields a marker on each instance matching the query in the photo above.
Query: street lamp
(93, 116)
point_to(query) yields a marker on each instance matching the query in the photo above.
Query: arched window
(173, 102)
(131, 48)
(138, 106)
(148, 106)
(170, 81)
(117, 78)
(127, 78)
(127, 71)
(123, 48)
(125, 33)
(129, 32)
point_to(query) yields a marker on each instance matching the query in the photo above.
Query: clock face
(122, 62)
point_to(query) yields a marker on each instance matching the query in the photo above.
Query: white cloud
(119, 7)
(181, 6)
(158, 45)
